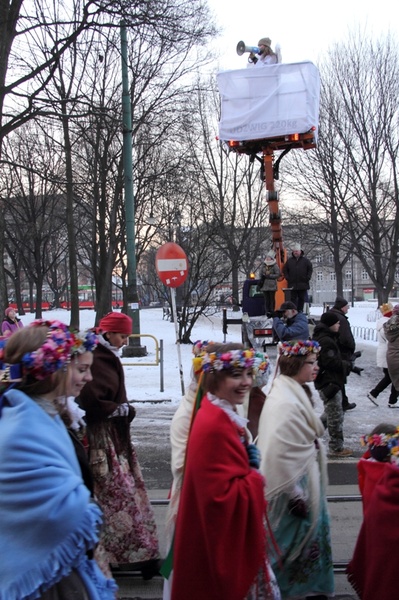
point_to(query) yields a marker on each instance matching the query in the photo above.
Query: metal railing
(364, 333)
(158, 357)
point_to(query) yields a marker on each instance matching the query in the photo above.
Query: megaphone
(242, 48)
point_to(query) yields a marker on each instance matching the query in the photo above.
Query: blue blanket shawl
(47, 520)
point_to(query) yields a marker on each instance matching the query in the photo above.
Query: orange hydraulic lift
(270, 173)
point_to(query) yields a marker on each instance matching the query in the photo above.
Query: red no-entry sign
(171, 264)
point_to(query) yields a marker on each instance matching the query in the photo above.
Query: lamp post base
(134, 351)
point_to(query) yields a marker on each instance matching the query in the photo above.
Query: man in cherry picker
(298, 271)
(266, 55)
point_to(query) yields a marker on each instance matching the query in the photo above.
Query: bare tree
(33, 208)
(353, 176)
(48, 30)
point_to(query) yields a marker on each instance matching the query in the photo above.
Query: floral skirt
(129, 533)
(311, 572)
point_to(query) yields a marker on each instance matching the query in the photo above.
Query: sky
(304, 30)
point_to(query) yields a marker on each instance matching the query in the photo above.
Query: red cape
(373, 570)
(220, 541)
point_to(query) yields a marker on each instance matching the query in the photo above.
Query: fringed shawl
(220, 541)
(47, 521)
(288, 439)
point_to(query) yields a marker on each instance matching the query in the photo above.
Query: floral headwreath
(298, 348)
(217, 361)
(199, 350)
(383, 445)
(262, 369)
(54, 354)
(199, 346)
(84, 341)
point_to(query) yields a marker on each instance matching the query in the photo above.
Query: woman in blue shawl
(48, 523)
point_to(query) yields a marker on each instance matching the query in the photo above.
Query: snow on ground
(143, 382)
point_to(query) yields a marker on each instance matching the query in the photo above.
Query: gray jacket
(268, 277)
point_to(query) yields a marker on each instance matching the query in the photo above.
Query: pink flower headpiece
(54, 353)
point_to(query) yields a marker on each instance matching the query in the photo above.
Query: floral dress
(129, 534)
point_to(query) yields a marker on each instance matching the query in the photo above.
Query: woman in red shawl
(373, 569)
(220, 540)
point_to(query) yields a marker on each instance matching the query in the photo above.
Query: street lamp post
(134, 348)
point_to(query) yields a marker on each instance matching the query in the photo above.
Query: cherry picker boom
(270, 173)
(265, 110)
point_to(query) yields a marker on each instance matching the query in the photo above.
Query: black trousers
(270, 302)
(382, 385)
(298, 297)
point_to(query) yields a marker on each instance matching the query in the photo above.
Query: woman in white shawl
(294, 464)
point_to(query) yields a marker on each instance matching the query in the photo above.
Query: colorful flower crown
(298, 348)
(199, 346)
(217, 361)
(84, 341)
(53, 355)
(261, 369)
(383, 441)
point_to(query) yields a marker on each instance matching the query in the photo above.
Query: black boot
(150, 568)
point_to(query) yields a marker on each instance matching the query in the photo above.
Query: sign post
(172, 268)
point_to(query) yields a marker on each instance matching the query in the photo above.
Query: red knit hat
(8, 310)
(115, 322)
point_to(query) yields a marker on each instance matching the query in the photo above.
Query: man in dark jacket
(293, 325)
(330, 381)
(346, 343)
(298, 272)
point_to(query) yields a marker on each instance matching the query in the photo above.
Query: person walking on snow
(330, 381)
(129, 536)
(386, 311)
(346, 343)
